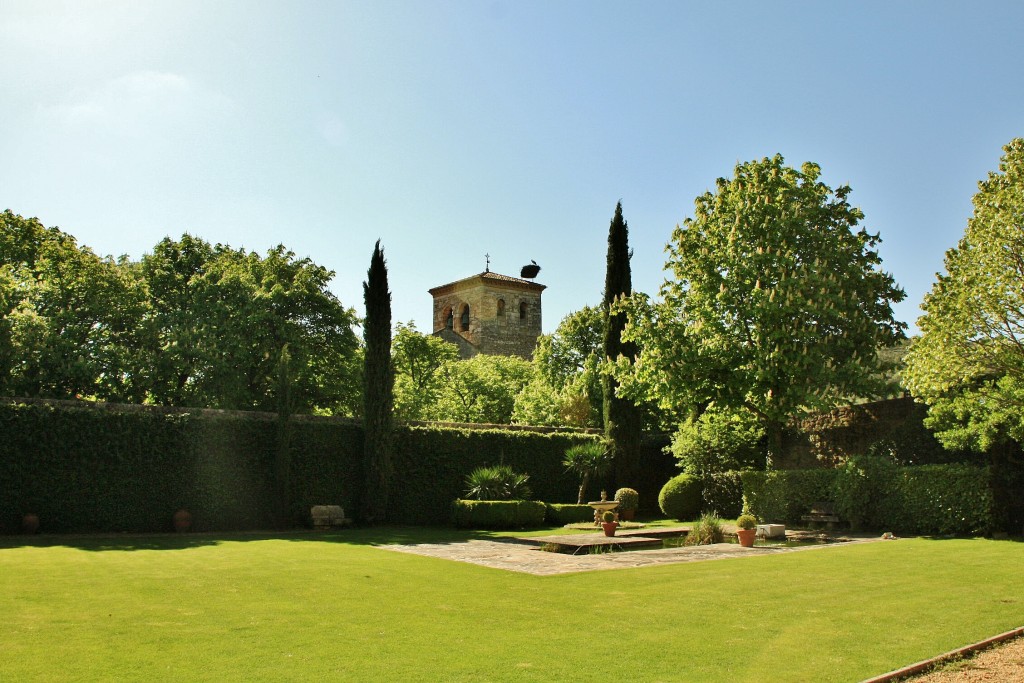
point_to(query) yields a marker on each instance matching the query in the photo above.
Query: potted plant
(746, 530)
(628, 500)
(182, 521)
(30, 523)
(608, 523)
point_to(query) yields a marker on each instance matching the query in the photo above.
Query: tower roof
(488, 277)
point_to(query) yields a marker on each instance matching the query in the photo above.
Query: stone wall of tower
(504, 318)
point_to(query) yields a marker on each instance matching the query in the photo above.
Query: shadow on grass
(362, 536)
(372, 536)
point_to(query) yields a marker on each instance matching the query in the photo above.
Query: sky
(452, 130)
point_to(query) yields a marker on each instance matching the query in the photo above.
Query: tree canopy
(190, 324)
(776, 304)
(481, 389)
(566, 388)
(968, 363)
(419, 361)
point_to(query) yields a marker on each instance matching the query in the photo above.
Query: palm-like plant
(497, 482)
(587, 460)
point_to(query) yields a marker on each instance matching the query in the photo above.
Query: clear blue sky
(455, 129)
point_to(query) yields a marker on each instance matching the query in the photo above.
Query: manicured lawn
(333, 607)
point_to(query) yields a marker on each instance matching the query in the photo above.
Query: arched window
(522, 310)
(501, 308)
(464, 319)
(449, 319)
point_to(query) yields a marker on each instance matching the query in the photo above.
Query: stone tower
(489, 313)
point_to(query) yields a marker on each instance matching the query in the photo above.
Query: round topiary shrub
(680, 498)
(628, 499)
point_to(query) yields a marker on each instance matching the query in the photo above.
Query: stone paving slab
(583, 542)
(517, 557)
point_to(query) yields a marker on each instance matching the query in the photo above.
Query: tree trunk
(583, 489)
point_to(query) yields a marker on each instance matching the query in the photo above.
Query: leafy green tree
(482, 389)
(220, 318)
(68, 315)
(623, 419)
(567, 388)
(562, 357)
(378, 392)
(179, 330)
(719, 441)
(777, 303)
(10, 300)
(968, 363)
(576, 404)
(419, 360)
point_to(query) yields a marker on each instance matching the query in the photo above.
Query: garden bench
(822, 512)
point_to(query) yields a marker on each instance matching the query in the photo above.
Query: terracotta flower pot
(30, 523)
(746, 537)
(182, 521)
(627, 515)
(609, 528)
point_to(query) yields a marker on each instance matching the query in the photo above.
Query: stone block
(771, 530)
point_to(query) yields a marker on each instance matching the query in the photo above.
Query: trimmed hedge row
(93, 469)
(876, 494)
(431, 464)
(498, 514)
(785, 495)
(562, 514)
(722, 494)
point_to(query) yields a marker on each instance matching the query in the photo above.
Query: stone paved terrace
(517, 556)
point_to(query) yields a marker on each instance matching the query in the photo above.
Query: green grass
(334, 607)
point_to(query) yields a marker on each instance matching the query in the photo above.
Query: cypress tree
(622, 419)
(378, 390)
(283, 457)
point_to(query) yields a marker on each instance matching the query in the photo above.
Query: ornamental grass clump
(706, 531)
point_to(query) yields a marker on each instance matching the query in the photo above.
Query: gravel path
(1003, 663)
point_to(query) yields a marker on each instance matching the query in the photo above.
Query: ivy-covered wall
(96, 467)
(897, 426)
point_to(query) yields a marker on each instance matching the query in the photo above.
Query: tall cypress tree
(622, 419)
(283, 458)
(378, 390)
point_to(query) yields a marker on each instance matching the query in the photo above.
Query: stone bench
(327, 516)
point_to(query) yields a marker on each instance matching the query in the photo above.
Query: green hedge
(783, 496)
(952, 499)
(431, 464)
(562, 514)
(87, 469)
(498, 514)
(92, 469)
(874, 493)
(722, 494)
